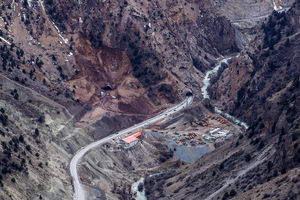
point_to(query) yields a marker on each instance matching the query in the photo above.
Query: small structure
(132, 138)
(214, 131)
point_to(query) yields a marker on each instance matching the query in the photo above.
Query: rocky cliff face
(263, 88)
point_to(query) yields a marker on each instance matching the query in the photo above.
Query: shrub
(41, 119)
(247, 157)
(225, 196)
(140, 187)
(36, 132)
(269, 165)
(28, 148)
(232, 192)
(261, 145)
(221, 167)
(15, 94)
(4, 119)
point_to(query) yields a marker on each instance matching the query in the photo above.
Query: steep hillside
(260, 87)
(73, 72)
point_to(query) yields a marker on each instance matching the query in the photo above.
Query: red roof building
(132, 138)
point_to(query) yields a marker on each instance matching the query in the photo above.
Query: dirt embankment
(105, 80)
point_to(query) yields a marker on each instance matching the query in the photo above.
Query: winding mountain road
(78, 189)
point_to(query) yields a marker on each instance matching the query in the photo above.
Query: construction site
(207, 130)
(178, 139)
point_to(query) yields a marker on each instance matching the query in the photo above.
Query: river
(206, 83)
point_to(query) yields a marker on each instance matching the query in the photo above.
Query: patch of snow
(64, 39)
(4, 40)
(14, 6)
(29, 3)
(42, 5)
(276, 8)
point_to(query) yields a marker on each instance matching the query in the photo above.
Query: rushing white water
(134, 189)
(209, 74)
(232, 118)
(206, 84)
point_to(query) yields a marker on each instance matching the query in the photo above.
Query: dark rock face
(218, 29)
(266, 92)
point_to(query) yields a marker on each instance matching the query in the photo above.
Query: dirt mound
(105, 78)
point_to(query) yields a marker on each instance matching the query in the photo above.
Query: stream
(134, 189)
(206, 84)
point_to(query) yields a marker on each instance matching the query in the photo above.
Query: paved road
(79, 192)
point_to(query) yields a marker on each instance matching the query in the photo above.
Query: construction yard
(190, 138)
(179, 139)
(207, 130)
